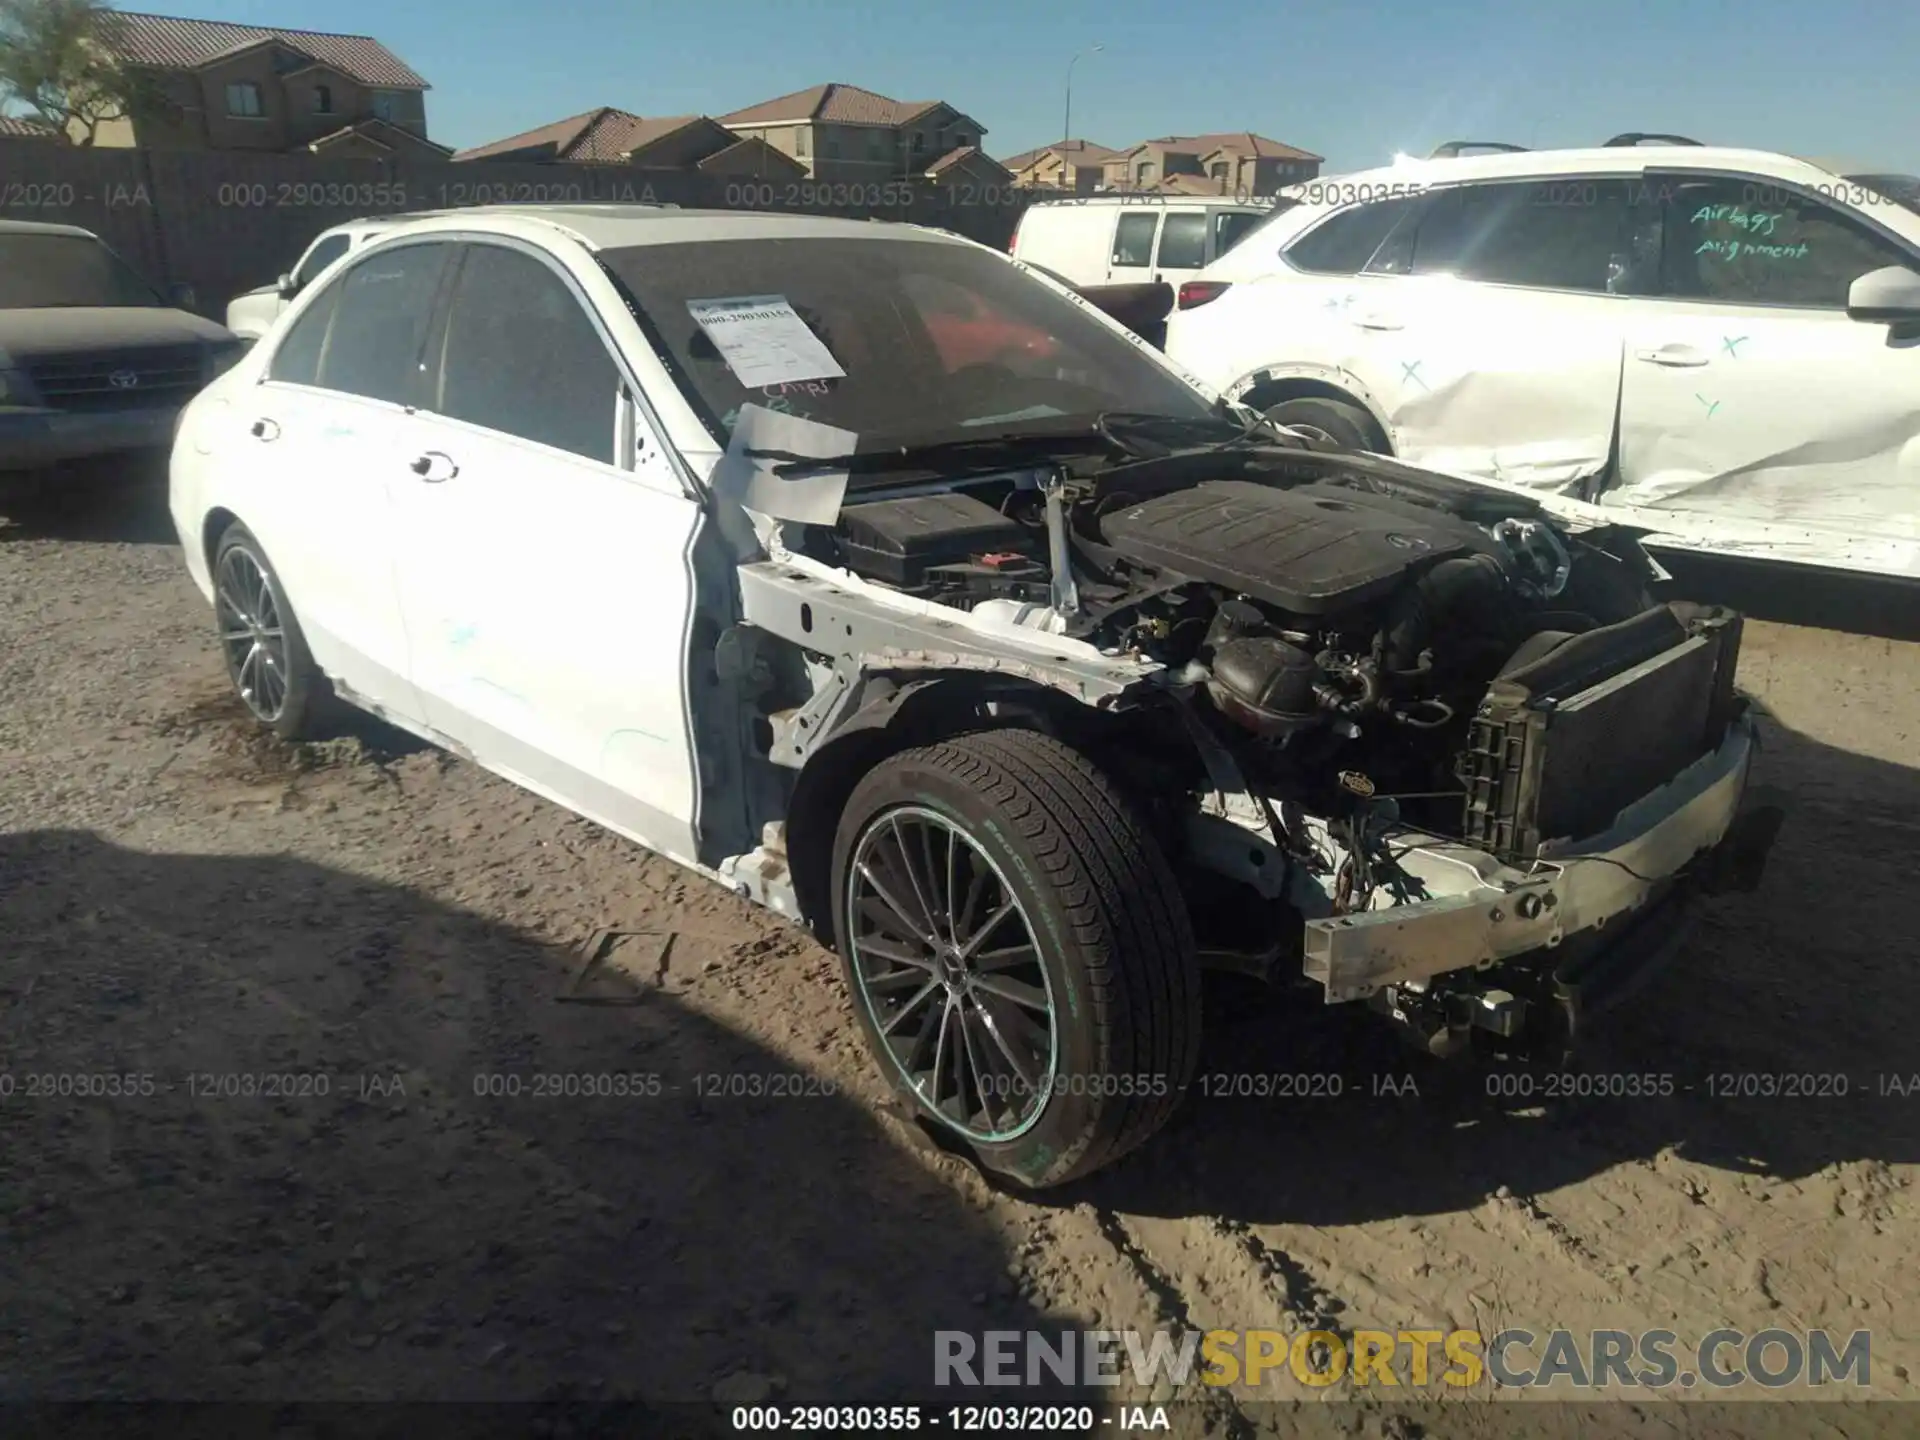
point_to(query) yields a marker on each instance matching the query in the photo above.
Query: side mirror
(287, 287)
(180, 295)
(1890, 296)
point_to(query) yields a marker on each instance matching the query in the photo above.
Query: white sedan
(899, 589)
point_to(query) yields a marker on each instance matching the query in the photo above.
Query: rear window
(1901, 190)
(897, 340)
(45, 272)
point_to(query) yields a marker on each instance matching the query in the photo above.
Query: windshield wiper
(939, 455)
(1125, 429)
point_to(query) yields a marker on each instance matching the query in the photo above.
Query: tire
(1023, 819)
(1341, 421)
(279, 684)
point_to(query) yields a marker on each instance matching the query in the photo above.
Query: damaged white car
(1716, 345)
(907, 594)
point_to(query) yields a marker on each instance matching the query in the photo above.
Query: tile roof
(379, 132)
(954, 157)
(843, 104)
(1243, 142)
(1247, 143)
(759, 148)
(1192, 185)
(167, 42)
(1080, 152)
(19, 126)
(605, 134)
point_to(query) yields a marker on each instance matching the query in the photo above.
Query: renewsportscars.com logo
(1411, 1359)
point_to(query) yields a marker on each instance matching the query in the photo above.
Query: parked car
(1133, 239)
(1032, 686)
(94, 361)
(1715, 344)
(251, 315)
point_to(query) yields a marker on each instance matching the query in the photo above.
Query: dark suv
(93, 361)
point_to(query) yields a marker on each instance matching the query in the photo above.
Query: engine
(1340, 631)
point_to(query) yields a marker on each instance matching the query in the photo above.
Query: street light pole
(1066, 132)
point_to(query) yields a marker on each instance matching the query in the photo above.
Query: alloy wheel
(946, 964)
(252, 633)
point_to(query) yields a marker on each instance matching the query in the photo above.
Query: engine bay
(1334, 620)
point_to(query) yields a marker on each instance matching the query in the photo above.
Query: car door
(1182, 247)
(546, 574)
(1488, 328)
(1748, 392)
(1131, 260)
(320, 450)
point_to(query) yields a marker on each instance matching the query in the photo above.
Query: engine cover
(1309, 550)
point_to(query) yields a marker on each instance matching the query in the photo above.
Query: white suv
(1725, 344)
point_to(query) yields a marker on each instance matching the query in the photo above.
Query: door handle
(264, 429)
(1673, 356)
(434, 467)
(1377, 322)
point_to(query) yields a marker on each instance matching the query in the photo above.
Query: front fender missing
(887, 712)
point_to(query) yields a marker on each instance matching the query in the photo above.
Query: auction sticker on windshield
(763, 341)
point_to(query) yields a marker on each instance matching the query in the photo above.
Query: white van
(1133, 239)
(251, 315)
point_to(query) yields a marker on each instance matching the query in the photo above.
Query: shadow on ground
(1809, 979)
(276, 1132)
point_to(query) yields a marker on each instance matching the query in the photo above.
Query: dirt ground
(185, 908)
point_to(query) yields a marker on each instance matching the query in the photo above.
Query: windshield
(900, 341)
(39, 272)
(1902, 190)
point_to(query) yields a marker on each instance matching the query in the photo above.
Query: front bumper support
(1484, 912)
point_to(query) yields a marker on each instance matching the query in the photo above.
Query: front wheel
(1339, 422)
(1018, 951)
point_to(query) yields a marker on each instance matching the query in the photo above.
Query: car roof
(1595, 160)
(38, 227)
(615, 227)
(1153, 199)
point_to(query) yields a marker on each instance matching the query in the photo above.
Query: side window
(1230, 226)
(318, 258)
(521, 356)
(380, 323)
(296, 361)
(1183, 240)
(1133, 239)
(1345, 241)
(1753, 242)
(1567, 234)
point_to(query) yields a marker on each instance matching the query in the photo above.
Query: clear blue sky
(1351, 81)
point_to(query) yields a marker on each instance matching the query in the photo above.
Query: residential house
(1075, 165)
(1239, 163)
(844, 134)
(973, 169)
(19, 127)
(618, 137)
(247, 87)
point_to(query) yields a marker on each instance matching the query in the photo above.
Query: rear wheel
(1323, 418)
(1019, 955)
(266, 655)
